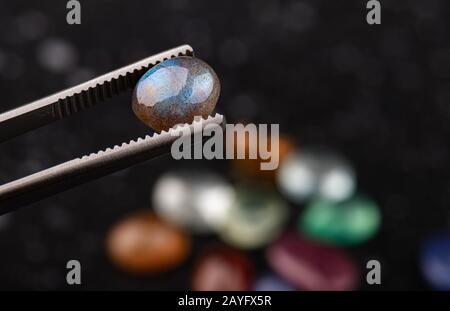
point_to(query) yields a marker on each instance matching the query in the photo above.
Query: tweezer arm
(69, 174)
(74, 99)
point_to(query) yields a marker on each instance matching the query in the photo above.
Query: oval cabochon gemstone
(346, 223)
(435, 261)
(222, 268)
(250, 168)
(316, 172)
(312, 266)
(143, 243)
(197, 200)
(174, 92)
(255, 218)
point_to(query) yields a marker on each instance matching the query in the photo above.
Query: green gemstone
(256, 217)
(346, 223)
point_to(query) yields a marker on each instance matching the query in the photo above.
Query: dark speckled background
(378, 94)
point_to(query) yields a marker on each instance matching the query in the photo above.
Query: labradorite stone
(174, 92)
(345, 223)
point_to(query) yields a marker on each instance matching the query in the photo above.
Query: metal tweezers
(80, 170)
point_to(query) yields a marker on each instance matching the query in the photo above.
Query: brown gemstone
(251, 168)
(143, 243)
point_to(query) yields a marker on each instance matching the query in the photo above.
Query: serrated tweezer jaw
(80, 170)
(77, 171)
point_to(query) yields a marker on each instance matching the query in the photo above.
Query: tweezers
(61, 177)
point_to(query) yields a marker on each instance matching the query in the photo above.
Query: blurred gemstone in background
(308, 173)
(196, 200)
(272, 283)
(345, 223)
(312, 266)
(142, 243)
(251, 168)
(222, 268)
(435, 261)
(256, 217)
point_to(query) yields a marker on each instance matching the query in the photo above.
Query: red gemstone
(311, 266)
(222, 269)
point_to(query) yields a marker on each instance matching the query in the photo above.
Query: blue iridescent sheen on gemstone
(435, 261)
(175, 91)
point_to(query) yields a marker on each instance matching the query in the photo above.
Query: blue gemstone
(175, 91)
(435, 261)
(272, 283)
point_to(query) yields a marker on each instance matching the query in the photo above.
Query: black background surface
(378, 94)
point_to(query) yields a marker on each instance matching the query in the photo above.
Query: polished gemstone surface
(312, 266)
(255, 218)
(222, 268)
(435, 261)
(198, 200)
(346, 223)
(142, 243)
(297, 177)
(316, 172)
(175, 91)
